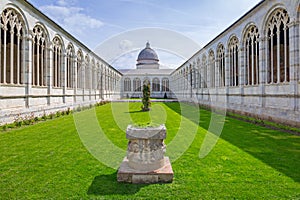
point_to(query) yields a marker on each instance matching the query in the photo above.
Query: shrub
(58, 114)
(51, 116)
(146, 97)
(36, 119)
(18, 121)
(44, 117)
(68, 111)
(4, 127)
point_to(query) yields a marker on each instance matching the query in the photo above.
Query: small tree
(146, 97)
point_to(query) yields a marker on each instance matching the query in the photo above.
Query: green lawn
(48, 160)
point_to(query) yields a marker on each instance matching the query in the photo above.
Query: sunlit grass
(48, 160)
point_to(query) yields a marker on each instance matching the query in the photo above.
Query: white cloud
(71, 18)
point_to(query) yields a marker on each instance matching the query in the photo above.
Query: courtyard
(249, 161)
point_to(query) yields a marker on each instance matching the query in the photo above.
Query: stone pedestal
(145, 161)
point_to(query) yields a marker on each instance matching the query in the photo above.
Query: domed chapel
(147, 69)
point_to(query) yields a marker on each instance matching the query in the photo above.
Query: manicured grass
(49, 161)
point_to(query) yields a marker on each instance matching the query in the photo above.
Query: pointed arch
(204, 70)
(80, 69)
(212, 66)
(70, 66)
(87, 72)
(40, 42)
(93, 74)
(251, 55)
(233, 52)
(57, 47)
(277, 32)
(12, 41)
(221, 65)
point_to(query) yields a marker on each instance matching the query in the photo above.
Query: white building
(147, 70)
(251, 68)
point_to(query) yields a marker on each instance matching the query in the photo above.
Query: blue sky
(95, 21)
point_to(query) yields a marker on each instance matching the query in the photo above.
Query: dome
(147, 54)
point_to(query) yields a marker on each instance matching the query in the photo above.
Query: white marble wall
(24, 98)
(279, 102)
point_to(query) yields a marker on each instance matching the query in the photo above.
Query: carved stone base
(162, 175)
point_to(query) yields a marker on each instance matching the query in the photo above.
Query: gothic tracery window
(70, 67)
(12, 42)
(57, 63)
(80, 71)
(199, 77)
(98, 78)
(278, 47)
(39, 64)
(87, 73)
(93, 74)
(221, 66)
(233, 61)
(204, 71)
(251, 73)
(212, 69)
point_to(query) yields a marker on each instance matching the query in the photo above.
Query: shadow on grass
(279, 150)
(136, 111)
(107, 185)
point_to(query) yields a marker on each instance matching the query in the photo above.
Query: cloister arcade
(43, 68)
(251, 68)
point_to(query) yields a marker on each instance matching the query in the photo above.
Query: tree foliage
(146, 97)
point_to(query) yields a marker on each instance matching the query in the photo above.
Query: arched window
(57, 63)
(137, 85)
(70, 67)
(165, 85)
(12, 43)
(105, 78)
(190, 76)
(278, 47)
(87, 72)
(221, 65)
(233, 48)
(155, 85)
(98, 79)
(204, 71)
(80, 70)
(127, 85)
(39, 66)
(212, 69)
(194, 76)
(93, 74)
(109, 80)
(251, 72)
(199, 76)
